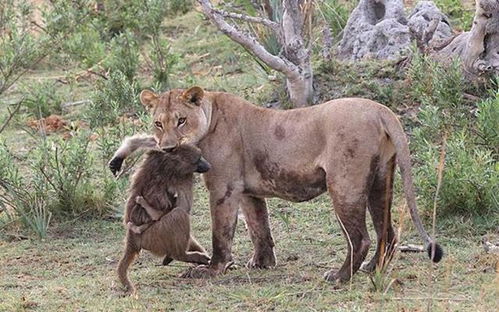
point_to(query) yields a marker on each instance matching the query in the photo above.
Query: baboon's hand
(141, 201)
(115, 165)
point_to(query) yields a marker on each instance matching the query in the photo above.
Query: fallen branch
(411, 248)
(11, 114)
(69, 104)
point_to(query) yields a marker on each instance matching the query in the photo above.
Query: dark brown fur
(165, 181)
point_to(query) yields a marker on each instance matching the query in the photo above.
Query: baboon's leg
(195, 246)
(194, 257)
(379, 204)
(126, 260)
(257, 219)
(348, 186)
(154, 214)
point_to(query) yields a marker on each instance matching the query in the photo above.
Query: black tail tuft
(439, 252)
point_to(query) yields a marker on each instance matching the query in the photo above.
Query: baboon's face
(187, 159)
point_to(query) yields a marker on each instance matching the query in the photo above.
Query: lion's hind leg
(348, 187)
(379, 204)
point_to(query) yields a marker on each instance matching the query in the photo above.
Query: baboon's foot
(204, 259)
(262, 260)
(336, 277)
(167, 260)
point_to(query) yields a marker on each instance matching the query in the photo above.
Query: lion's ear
(194, 95)
(149, 99)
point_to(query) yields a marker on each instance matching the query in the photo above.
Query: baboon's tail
(396, 133)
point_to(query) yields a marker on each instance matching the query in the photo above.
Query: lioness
(347, 147)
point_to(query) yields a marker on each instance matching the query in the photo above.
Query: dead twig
(17, 106)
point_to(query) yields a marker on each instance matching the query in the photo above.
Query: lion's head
(178, 116)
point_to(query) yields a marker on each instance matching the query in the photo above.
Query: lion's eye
(158, 124)
(181, 121)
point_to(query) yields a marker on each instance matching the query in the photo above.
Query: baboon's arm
(184, 201)
(154, 214)
(128, 146)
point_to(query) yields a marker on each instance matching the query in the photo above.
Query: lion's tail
(396, 133)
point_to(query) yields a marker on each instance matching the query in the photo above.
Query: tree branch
(249, 42)
(252, 19)
(11, 114)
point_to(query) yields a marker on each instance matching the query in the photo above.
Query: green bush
(42, 99)
(86, 46)
(470, 180)
(335, 13)
(471, 175)
(111, 99)
(27, 203)
(64, 182)
(488, 123)
(123, 55)
(461, 17)
(176, 7)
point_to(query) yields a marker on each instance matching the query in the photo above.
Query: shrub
(111, 99)
(42, 99)
(179, 6)
(488, 123)
(471, 174)
(86, 46)
(63, 182)
(335, 13)
(461, 16)
(26, 204)
(123, 55)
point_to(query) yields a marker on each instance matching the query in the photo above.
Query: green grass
(74, 269)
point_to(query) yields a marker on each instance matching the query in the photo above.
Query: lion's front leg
(224, 203)
(257, 218)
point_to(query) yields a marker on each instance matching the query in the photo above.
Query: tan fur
(161, 189)
(347, 147)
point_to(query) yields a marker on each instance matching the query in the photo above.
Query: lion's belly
(270, 180)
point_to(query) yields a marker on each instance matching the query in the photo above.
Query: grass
(75, 270)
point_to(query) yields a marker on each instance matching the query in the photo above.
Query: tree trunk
(301, 89)
(478, 49)
(293, 62)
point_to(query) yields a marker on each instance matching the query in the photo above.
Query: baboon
(157, 213)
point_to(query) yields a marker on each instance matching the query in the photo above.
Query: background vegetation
(70, 73)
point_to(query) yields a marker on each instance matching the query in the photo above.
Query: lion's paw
(263, 261)
(334, 277)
